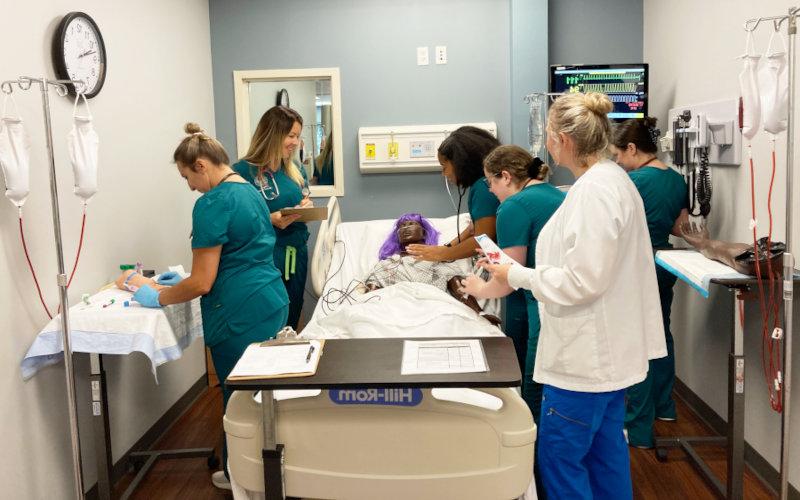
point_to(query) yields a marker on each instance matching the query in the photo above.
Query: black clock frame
(279, 98)
(60, 65)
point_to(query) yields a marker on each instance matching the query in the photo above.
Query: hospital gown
(397, 268)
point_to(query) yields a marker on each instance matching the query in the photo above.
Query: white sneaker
(220, 481)
(625, 433)
(666, 419)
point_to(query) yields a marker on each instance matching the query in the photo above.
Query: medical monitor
(624, 84)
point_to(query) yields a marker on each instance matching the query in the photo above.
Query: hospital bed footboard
(389, 444)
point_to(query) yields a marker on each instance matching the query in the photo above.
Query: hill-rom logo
(386, 397)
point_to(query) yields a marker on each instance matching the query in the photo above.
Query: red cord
(80, 246)
(30, 266)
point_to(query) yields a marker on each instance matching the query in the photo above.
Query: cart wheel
(213, 462)
(661, 454)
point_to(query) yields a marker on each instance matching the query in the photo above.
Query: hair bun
(192, 128)
(598, 103)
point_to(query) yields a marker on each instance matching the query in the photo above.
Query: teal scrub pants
(652, 398)
(516, 325)
(292, 262)
(532, 391)
(227, 353)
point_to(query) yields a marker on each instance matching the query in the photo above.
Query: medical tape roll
(14, 155)
(83, 144)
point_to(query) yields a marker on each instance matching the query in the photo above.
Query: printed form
(443, 356)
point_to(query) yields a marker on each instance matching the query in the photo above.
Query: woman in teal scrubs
(242, 298)
(282, 183)
(527, 202)
(663, 192)
(461, 156)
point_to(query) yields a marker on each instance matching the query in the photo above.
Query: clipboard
(307, 214)
(264, 352)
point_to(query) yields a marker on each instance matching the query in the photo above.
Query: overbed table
(369, 364)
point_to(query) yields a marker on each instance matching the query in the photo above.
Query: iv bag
(536, 125)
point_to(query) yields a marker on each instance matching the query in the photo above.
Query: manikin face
(197, 179)
(409, 232)
(292, 140)
(448, 170)
(500, 184)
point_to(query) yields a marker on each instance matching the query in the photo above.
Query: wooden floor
(201, 427)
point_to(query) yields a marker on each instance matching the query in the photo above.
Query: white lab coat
(595, 281)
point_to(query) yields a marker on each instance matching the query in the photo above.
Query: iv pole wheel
(661, 454)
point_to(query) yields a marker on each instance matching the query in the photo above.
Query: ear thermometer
(492, 251)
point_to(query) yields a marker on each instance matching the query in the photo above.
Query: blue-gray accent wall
(594, 32)
(373, 42)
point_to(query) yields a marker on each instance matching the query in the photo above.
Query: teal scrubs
(480, 201)
(325, 175)
(664, 195)
(247, 302)
(291, 246)
(520, 218)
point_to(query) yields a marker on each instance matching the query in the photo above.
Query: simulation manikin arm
(131, 280)
(721, 251)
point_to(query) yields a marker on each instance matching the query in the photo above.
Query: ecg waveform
(623, 98)
(606, 88)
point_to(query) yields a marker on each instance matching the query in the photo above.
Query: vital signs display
(625, 85)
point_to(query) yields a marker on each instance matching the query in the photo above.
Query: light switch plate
(422, 56)
(441, 54)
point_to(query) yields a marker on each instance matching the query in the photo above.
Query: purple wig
(392, 244)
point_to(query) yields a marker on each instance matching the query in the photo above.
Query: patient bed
(457, 443)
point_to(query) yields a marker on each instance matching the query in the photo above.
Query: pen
(109, 303)
(310, 351)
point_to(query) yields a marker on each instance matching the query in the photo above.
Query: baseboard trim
(768, 474)
(154, 433)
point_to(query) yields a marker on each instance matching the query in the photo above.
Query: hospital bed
(457, 443)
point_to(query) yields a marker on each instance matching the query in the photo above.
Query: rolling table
(734, 440)
(369, 364)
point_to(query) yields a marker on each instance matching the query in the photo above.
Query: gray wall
(374, 43)
(593, 32)
(139, 116)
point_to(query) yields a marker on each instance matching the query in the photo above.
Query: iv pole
(24, 83)
(788, 258)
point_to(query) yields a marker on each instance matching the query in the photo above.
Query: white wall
(159, 76)
(692, 48)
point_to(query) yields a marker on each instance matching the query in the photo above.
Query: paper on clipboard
(443, 356)
(275, 361)
(307, 214)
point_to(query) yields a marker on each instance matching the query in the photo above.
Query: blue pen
(310, 351)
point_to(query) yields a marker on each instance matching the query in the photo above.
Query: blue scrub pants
(581, 448)
(227, 353)
(652, 397)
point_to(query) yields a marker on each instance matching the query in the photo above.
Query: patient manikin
(739, 256)
(397, 266)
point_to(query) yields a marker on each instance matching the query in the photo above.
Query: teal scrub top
(289, 195)
(664, 195)
(481, 202)
(248, 288)
(522, 216)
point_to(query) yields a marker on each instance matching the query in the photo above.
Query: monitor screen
(625, 85)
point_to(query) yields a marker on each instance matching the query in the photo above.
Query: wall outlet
(422, 56)
(441, 54)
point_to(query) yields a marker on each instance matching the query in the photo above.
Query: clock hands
(87, 53)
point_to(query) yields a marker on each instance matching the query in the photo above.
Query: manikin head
(409, 228)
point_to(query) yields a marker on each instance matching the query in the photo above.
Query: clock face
(79, 52)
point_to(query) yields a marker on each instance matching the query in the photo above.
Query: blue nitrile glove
(169, 278)
(147, 296)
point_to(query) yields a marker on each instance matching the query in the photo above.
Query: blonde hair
(517, 162)
(584, 118)
(266, 146)
(199, 145)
